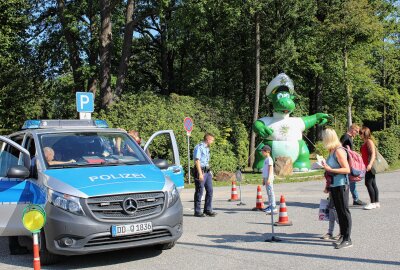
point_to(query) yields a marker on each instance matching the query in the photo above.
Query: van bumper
(89, 235)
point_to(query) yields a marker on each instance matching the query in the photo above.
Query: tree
(351, 24)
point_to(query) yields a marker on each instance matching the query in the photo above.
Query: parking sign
(188, 125)
(84, 102)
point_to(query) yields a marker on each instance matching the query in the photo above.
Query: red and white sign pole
(188, 124)
(36, 257)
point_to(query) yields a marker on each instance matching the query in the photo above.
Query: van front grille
(108, 240)
(112, 206)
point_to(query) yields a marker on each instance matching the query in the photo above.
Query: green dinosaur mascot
(282, 132)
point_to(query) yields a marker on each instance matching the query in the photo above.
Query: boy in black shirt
(347, 139)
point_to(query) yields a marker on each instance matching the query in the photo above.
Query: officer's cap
(280, 82)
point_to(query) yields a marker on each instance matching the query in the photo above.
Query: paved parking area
(234, 239)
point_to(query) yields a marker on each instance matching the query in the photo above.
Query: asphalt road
(234, 239)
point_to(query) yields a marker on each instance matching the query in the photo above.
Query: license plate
(129, 229)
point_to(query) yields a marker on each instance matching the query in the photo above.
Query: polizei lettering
(117, 176)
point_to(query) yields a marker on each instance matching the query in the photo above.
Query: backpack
(357, 166)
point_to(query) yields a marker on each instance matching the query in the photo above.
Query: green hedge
(148, 112)
(396, 131)
(388, 144)
(321, 150)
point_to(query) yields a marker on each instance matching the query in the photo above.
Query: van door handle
(176, 170)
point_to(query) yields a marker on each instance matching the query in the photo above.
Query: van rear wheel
(46, 257)
(166, 245)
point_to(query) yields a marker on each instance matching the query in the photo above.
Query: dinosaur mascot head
(281, 92)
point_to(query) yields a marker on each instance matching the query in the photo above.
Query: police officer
(203, 177)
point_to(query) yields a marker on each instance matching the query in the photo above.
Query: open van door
(162, 145)
(15, 189)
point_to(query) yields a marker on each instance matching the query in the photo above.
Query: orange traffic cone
(259, 200)
(234, 194)
(283, 216)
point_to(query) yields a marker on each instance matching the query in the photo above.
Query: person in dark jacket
(347, 140)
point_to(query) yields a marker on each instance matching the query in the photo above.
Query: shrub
(388, 145)
(148, 112)
(396, 131)
(321, 150)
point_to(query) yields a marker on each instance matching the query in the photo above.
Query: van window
(85, 149)
(30, 146)
(9, 157)
(161, 147)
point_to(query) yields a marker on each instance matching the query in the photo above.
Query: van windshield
(85, 149)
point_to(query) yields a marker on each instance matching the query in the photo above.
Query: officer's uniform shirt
(202, 153)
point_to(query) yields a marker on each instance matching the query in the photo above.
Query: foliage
(388, 145)
(148, 112)
(321, 150)
(199, 55)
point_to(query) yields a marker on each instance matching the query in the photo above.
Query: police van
(101, 191)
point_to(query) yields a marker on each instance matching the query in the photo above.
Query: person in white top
(268, 179)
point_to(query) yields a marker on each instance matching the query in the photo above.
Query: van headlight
(66, 202)
(173, 196)
(171, 191)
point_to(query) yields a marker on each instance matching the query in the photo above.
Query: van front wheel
(46, 257)
(166, 245)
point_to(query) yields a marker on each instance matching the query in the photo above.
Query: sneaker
(344, 244)
(326, 236)
(370, 206)
(377, 205)
(359, 202)
(340, 240)
(199, 215)
(210, 213)
(267, 210)
(337, 237)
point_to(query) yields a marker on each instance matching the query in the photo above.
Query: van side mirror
(18, 171)
(161, 163)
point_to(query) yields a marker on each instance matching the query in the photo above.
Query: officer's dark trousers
(340, 196)
(200, 185)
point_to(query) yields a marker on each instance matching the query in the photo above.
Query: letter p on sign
(84, 102)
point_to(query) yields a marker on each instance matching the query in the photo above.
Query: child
(332, 212)
(268, 179)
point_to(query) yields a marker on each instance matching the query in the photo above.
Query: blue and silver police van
(101, 191)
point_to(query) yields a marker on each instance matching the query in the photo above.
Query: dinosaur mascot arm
(312, 120)
(262, 130)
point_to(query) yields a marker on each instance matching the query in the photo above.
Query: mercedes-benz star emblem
(129, 205)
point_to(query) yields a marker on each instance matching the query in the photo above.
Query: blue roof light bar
(33, 124)
(29, 124)
(101, 123)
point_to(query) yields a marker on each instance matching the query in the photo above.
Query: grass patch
(395, 166)
(250, 178)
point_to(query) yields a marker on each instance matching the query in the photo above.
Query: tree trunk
(92, 48)
(126, 49)
(347, 88)
(384, 115)
(164, 58)
(257, 94)
(171, 73)
(319, 89)
(383, 84)
(106, 94)
(73, 50)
